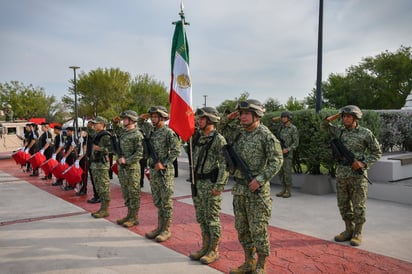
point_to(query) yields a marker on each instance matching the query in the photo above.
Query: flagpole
(190, 152)
(182, 15)
(191, 166)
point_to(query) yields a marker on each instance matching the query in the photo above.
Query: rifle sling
(205, 149)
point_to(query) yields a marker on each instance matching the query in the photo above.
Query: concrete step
(399, 191)
(392, 167)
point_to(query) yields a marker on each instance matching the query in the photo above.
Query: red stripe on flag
(182, 118)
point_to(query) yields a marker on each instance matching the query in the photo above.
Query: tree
(380, 82)
(272, 105)
(293, 104)
(228, 106)
(27, 101)
(102, 92)
(310, 101)
(145, 92)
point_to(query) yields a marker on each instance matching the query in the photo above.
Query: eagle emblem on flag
(183, 81)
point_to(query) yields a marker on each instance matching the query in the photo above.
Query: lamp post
(76, 114)
(319, 66)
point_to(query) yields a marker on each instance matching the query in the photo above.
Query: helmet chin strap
(208, 124)
(251, 125)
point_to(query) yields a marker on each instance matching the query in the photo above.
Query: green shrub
(392, 128)
(396, 130)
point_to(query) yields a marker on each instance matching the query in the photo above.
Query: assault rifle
(343, 154)
(116, 145)
(283, 145)
(234, 161)
(152, 154)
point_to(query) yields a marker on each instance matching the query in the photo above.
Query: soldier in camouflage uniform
(288, 136)
(100, 166)
(210, 179)
(166, 145)
(131, 151)
(91, 133)
(252, 205)
(351, 186)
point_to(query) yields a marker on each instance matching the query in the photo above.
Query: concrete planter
(332, 182)
(311, 184)
(316, 184)
(297, 180)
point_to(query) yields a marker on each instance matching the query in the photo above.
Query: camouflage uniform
(262, 153)
(91, 133)
(290, 137)
(351, 187)
(167, 147)
(207, 206)
(129, 174)
(131, 151)
(100, 166)
(210, 173)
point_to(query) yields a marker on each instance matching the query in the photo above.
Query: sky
(267, 48)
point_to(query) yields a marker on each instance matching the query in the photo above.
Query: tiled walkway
(291, 252)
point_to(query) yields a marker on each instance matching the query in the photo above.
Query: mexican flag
(182, 119)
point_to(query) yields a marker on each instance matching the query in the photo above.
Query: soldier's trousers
(102, 182)
(129, 179)
(207, 209)
(352, 193)
(285, 173)
(251, 221)
(162, 193)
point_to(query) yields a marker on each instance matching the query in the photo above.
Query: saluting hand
(116, 119)
(145, 116)
(333, 117)
(233, 115)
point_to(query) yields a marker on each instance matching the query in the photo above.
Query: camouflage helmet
(131, 114)
(251, 105)
(352, 110)
(161, 110)
(286, 114)
(99, 120)
(209, 112)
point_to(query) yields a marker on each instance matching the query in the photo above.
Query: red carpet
(291, 252)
